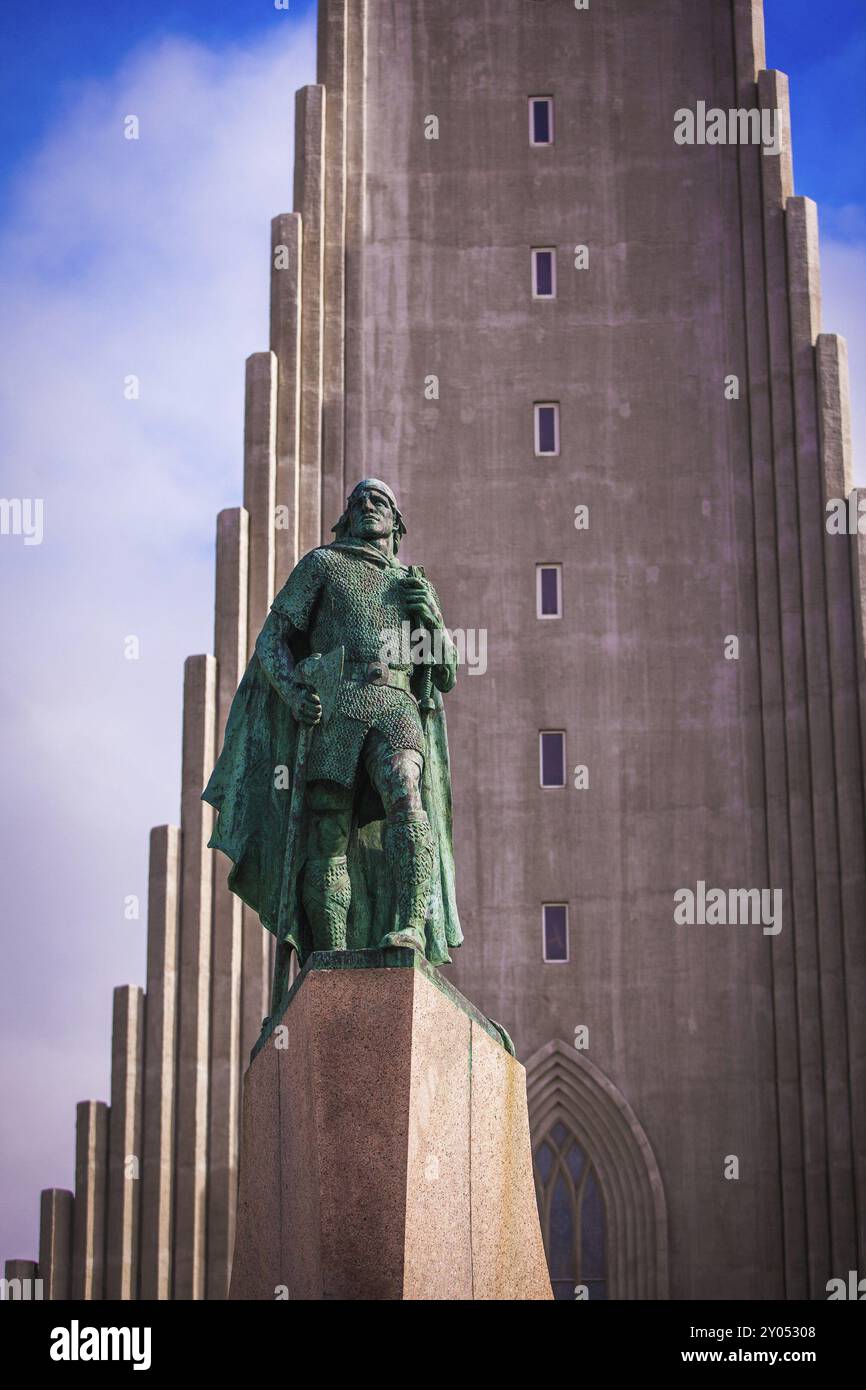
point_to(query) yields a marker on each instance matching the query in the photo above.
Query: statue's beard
(369, 535)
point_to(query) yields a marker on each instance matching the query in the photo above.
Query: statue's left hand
(421, 598)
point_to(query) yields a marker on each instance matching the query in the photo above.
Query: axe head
(324, 674)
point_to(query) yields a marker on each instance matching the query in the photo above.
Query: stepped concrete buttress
(385, 1150)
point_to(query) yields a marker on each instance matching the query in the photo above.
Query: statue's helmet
(372, 485)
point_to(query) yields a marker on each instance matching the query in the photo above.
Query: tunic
(345, 596)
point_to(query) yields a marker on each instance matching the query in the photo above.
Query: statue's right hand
(305, 705)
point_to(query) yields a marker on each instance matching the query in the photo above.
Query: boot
(327, 893)
(409, 851)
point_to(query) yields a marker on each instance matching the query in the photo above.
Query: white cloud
(148, 257)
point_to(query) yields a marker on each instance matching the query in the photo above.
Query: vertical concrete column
(124, 1143)
(844, 609)
(91, 1198)
(730, 425)
(749, 48)
(332, 75)
(287, 241)
(826, 739)
(193, 1055)
(858, 573)
(260, 486)
(800, 951)
(770, 642)
(55, 1242)
(310, 202)
(833, 387)
(736, 515)
(858, 589)
(353, 238)
(260, 473)
(21, 1280)
(159, 1062)
(225, 1058)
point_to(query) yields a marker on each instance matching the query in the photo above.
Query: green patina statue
(333, 788)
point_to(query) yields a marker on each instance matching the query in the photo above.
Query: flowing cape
(251, 790)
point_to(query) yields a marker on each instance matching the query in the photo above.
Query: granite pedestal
(385, 1150)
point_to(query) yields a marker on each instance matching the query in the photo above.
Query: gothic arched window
(600, 1193)
(571, 1210)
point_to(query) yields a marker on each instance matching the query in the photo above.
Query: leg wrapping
(327, 894)
(409, 850)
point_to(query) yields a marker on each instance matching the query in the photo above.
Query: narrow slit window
(546, 429)
(541, 120)
(548, 591)
(544, 272)
(555, 932)
(551, 753)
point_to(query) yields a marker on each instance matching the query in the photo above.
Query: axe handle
(323, 675)
(425, 698)
(283, 953)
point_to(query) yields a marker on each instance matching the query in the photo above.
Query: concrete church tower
(507, 290)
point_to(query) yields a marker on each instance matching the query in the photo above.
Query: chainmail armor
(327, 893)
(342, 599)
(409, 847)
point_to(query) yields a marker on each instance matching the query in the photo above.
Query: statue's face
(371, 515)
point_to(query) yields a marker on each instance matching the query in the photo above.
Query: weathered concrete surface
(55, 1242)
(287, 242)
(160, 1036)
(385, 1150)
(21, 1278)
(91, 1200)
(310, 203)
(124, 1144)
(230, 646)
(706, 519)
(194, 982)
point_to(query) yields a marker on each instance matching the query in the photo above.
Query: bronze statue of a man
(333, 786)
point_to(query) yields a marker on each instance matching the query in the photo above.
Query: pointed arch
(564, 1087)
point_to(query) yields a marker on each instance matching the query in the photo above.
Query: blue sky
(154, 261)
(116, 257)
(51, 49)
(822, 48)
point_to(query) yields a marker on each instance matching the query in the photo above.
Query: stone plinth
(385, 1150)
